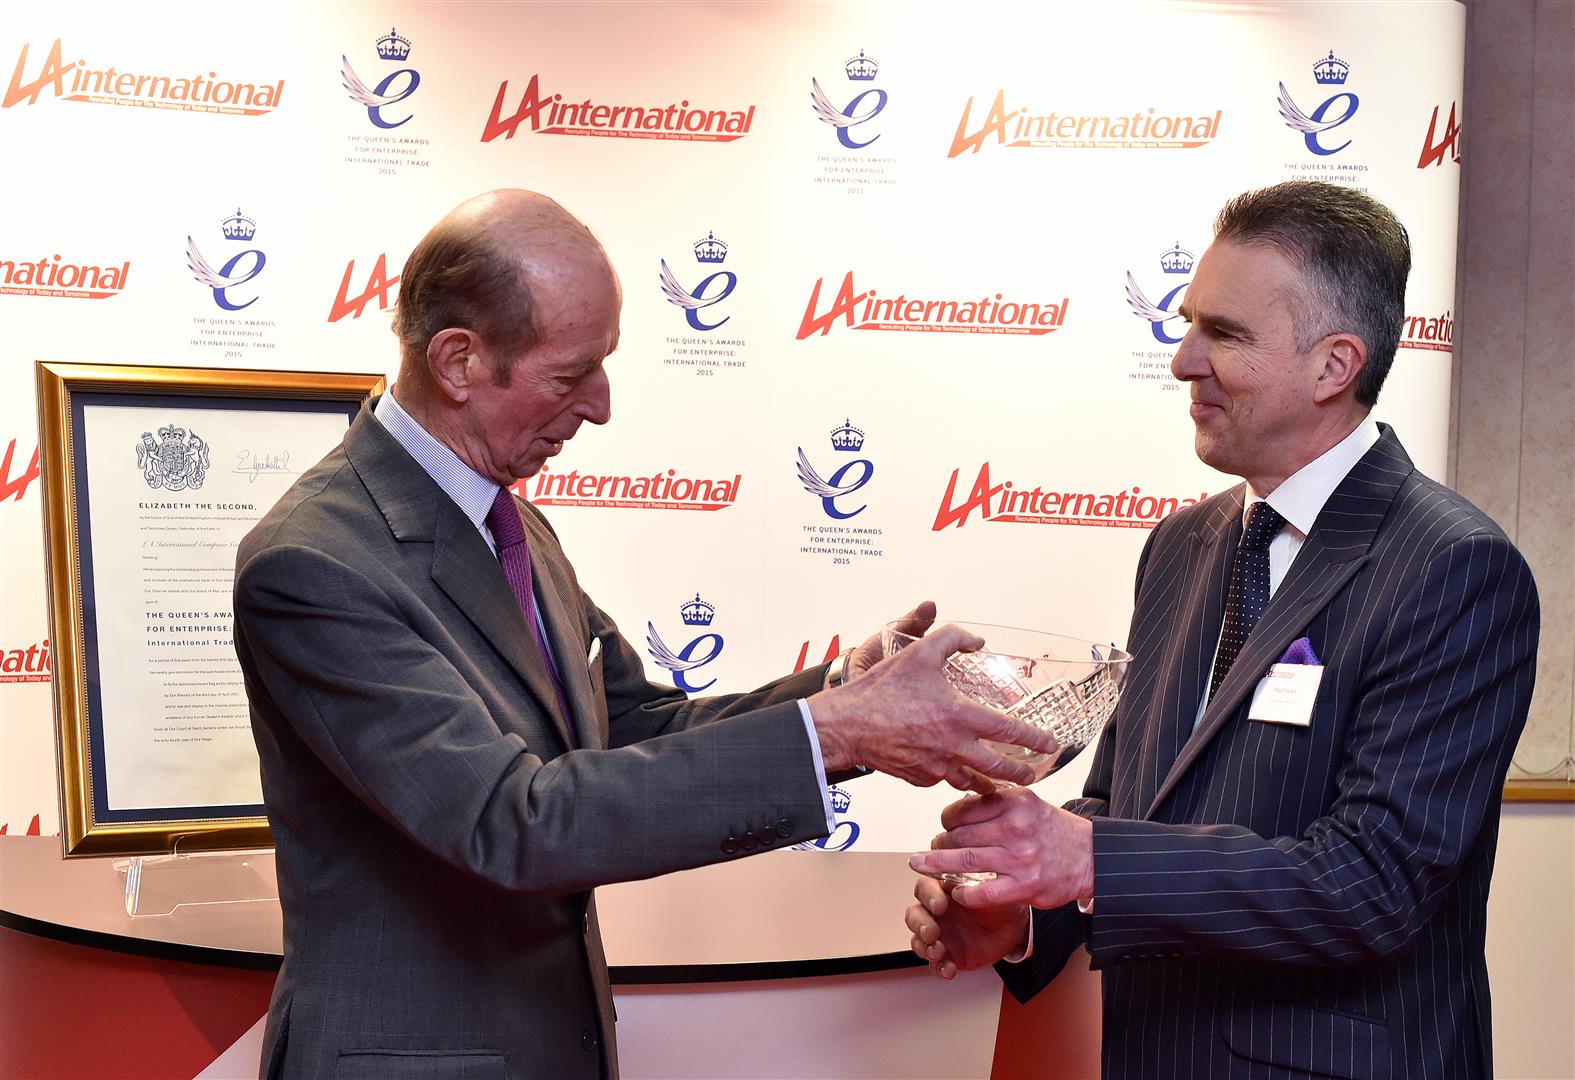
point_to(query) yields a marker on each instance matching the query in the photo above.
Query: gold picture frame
(1539, 791)
(89, 478)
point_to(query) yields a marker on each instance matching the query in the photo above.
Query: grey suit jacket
(1282, 901)
(437, 840)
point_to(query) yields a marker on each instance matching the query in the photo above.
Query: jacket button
(784, 828)
(750, 841)
(730, 845)
(588, 1039)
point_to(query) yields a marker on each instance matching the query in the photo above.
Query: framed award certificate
(152, 475)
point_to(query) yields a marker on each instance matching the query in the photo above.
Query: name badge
(1286, 694)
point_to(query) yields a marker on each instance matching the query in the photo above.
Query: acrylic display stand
(159, 885)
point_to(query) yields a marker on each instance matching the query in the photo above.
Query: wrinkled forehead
(571, 278)
(1241, 283)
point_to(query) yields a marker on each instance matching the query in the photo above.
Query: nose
(1191, 361)
(595, 404)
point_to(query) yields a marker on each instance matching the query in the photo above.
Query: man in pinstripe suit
(1301, 894)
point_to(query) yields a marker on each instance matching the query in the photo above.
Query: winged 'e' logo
(206, 273)
(828, 112)
(815, 485)
(360, 92)
(1295, 118)
(677, 294)
(1143, 306)
(665, 656)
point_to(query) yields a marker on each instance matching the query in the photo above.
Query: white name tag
(1286, 694)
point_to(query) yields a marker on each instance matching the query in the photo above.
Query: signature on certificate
(252, 463)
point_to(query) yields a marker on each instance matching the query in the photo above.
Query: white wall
(1512, 452)
(1531, 943)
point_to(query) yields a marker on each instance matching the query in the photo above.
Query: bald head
(507, 310)
(487, 266)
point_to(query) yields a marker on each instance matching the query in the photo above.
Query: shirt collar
(1300, 498)
(471, 492)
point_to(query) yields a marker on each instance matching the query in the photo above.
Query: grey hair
(1355, 256)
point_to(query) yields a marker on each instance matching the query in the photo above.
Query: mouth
(1202, 410)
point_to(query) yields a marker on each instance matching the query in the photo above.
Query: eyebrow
(584, 366)
(1223, 322)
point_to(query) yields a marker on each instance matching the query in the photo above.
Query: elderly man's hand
(903, 718)
(870, 651)
(1041, 855)
(952, 938)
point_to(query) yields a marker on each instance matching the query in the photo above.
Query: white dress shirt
(1299, 500)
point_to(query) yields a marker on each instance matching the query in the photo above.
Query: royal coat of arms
(175, 461)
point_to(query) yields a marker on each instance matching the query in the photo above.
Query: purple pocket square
(1300, 652)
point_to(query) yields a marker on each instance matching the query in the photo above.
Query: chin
(1211, 453)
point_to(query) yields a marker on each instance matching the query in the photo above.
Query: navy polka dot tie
(1249, 587)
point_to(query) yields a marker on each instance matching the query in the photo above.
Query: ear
(1343, 357)
(454, 360)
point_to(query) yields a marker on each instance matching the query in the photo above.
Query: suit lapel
(417, 511)
(558, 595)
(472, 577)
(1206, 571)
(1335, 550)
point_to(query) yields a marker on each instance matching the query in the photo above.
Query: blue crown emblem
(239, 227)
(1178, 260)
(840, 799)
(697, 612)
(710, 250)
(862, 68)
(393, 46)
(847, 437)
(1331, 71)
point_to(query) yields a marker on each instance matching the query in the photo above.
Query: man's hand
(1041, 855)
(952, 938)
(916, 624)
(903, 718)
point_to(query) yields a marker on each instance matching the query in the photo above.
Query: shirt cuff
(820, 764)
(1086, 904)
(1028, 949)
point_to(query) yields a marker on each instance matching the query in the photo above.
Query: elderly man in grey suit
(1281, 859)
(457, 745)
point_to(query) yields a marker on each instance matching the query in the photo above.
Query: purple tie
(508, 532)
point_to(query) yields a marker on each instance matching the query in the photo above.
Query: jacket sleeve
(1059, 932)
(332, 659)
(638, 709)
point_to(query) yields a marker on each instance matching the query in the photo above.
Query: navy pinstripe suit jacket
(1281, 901)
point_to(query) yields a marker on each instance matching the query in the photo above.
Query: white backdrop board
(914, 240)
